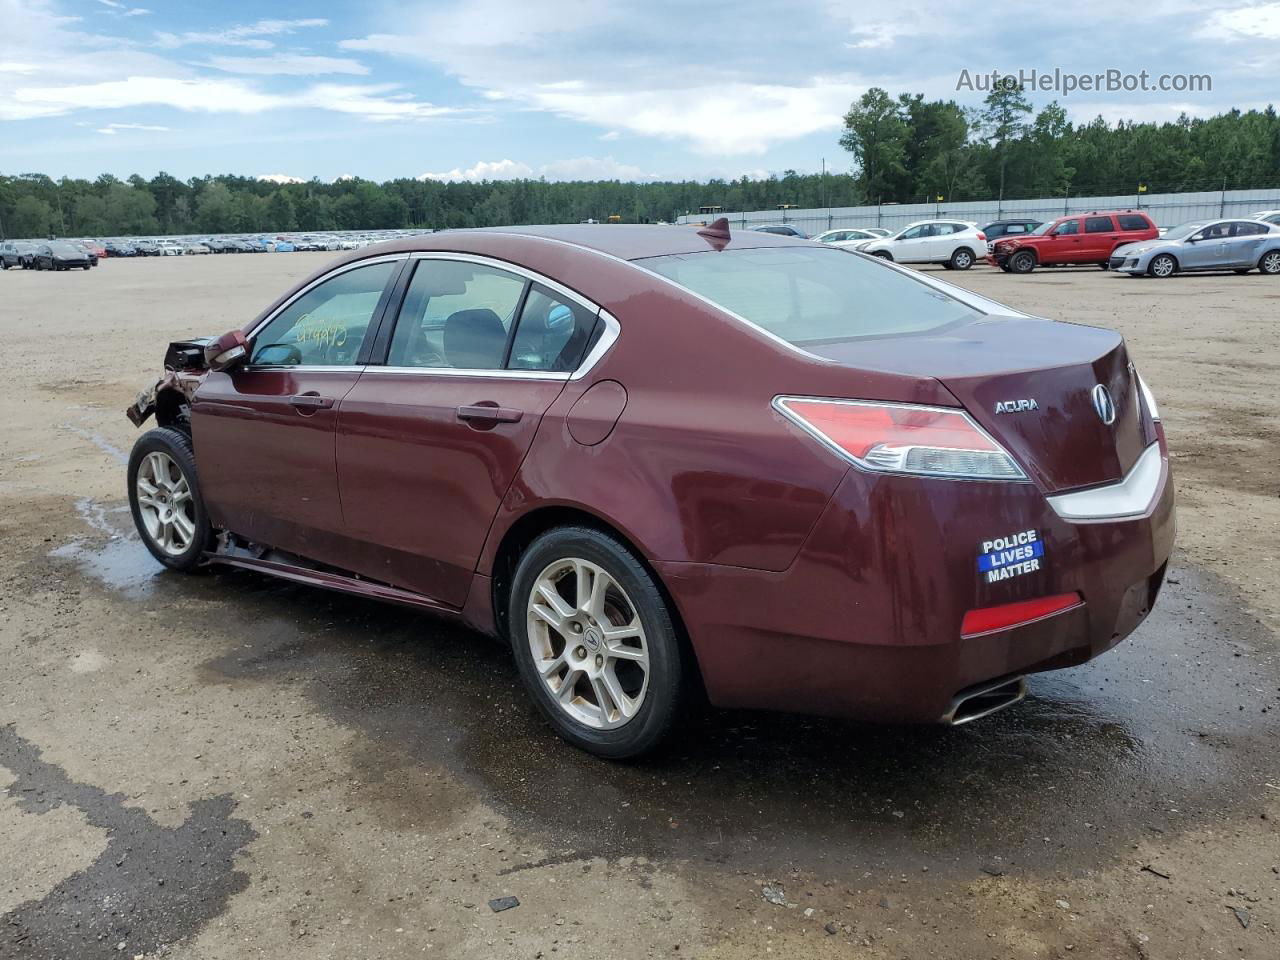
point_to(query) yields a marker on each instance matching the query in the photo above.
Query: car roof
(623, 241)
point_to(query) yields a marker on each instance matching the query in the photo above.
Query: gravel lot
(228, 766)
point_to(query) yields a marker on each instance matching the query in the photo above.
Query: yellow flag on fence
(1142, 188)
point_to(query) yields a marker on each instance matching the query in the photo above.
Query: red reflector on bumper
(990, 619)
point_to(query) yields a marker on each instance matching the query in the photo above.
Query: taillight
(1008, 615)
(903, 438)
(982, 236)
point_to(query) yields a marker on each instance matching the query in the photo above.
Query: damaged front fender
(169, 398)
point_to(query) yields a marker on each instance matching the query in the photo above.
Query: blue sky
(566, 89)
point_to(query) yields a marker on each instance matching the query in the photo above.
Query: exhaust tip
(984, 700)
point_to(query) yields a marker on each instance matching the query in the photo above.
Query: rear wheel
(1022, 262)
(164, 497)
(595, 643)
(1162, 266)
(1270, 263)
(1243, 270)
(962, 259)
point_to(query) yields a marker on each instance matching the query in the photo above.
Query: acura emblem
(1104, 405)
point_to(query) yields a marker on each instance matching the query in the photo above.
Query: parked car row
(54, 255)
(1127, 241)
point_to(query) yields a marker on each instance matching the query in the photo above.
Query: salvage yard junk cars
(1236, 245)
(664, 460)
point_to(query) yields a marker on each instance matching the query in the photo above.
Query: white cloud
(576, 168)
(563, 56)
(484, 170)
(287, 64)
(1257, 22)
(279, 178)
(112, 128)
(241, 35)
(609, 135)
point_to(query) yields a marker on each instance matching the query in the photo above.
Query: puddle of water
(119, 562)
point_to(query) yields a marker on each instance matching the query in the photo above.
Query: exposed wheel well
(172, 410)
(530, 526)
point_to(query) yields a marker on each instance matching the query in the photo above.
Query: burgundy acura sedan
(662, 460)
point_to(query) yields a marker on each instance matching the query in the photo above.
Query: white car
(1267, 216)
(845, 237)
(955, 244)
(877, 231)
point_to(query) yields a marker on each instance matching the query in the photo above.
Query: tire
(168, 450)
(1162, 266)
(883, 255)
(946, 265)
(1005, 266)
(1269, 263)
(1242, 271)
(961, 259)
(1022, 262)
(1104, 265)
(647, 680)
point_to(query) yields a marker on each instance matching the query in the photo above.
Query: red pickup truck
(1081, 238)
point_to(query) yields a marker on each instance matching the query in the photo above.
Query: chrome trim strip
(460, 372)
(780, 404)
(385, 258)
(612, 329)
(1126, 499)
(304, 368)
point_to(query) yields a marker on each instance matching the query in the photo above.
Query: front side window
(915, 233)
(326, 326)
(1067, 227)
(456, 315)
(552, 334)
(1098, 225)
(813, 295)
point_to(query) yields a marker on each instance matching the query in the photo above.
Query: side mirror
(228, 350)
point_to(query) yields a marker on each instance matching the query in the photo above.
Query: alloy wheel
(1271, 262)
(165, 503)
(1163, 266)
(588, 645)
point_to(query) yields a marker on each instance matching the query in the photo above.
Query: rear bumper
(866, 621)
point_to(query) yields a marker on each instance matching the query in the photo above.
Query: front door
(1068, 243)
(1209, 251)
(430, 441)
(265, 431)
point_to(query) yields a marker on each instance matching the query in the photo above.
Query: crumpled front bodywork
(169, 398)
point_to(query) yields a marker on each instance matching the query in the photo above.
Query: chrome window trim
(612, 329)
(374, 368)
(354, 265)
(1127, 499)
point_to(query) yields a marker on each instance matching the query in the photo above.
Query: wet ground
(225, 765)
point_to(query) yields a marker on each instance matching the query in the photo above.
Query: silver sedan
(1239, 245)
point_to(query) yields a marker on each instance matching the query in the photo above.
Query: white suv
(955, 244)
(1268, 216)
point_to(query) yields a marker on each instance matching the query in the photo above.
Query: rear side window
(1132, 221)
(1248, 229)
(456, 315)
(813, 295)
(552, 334)
(1098, 225)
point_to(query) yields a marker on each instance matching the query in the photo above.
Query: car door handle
(490, 412)
(311, 401)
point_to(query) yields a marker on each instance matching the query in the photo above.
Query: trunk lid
(1029, 383)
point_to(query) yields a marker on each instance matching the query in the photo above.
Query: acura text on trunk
(661, 460)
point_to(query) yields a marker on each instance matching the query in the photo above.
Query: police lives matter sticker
(1010, 556)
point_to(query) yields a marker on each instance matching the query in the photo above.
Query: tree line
(904, 149)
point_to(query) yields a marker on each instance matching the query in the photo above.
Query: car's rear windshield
(812, 295)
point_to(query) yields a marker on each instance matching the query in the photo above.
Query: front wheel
(962, 259)
(164, 497)
(595, 643)
(1242, 271)
(1270, 263)
(1163, 266)
(1023, 262)
(883, 255)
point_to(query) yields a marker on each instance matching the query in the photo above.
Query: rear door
(430, 440)
(1099, 239)
(265, 431)
(1245, 247)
